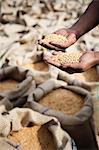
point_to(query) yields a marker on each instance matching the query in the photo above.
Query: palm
(69, 34)
(86, 61)
(87, 57)
(56, 45)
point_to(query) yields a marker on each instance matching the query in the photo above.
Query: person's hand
(60, 46)
(86, 61)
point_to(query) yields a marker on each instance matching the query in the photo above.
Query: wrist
(74, 29)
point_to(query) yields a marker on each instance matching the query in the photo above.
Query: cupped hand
(86, 61)
(60, 46)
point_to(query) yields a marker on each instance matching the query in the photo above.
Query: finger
(50, 61)
(44, 44)
(72, 65)
(82, 56)
(61, 45)
(49, 46)
(73, 68)
(48, 54)
(56, 52)
(40, 41)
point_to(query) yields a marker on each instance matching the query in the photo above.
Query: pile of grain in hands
(54, 37)
(63, 58)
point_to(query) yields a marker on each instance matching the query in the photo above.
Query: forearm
(88, 20)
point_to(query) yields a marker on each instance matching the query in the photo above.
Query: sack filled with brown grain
(32, 130)
(74, 112)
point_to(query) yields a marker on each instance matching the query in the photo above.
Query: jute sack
(13, 121)
(40, 71)
(15, 84)
(79, 124)
(95, 98)
(38, 93)
(33, 138)
(94, 90)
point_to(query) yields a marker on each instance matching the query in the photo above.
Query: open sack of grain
(73, 107)
(45, 132)
(14, 84)
(24, 128)
(93, 88)
(94, 91)
(76, 117)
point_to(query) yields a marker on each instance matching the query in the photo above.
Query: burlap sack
(95, 98)
(17, 118)
(20, 80)
(16, 96)
(79, 125)
(6, 144)
(94, 90)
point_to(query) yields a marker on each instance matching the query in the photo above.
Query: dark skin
(87, 21)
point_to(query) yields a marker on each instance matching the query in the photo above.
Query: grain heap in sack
(33, 138)
(75, 120)
(39, 66)
(8, 84)
(29, 138)
(63, 100)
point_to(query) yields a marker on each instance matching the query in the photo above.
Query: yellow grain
(64, 58)
(33, 138)
(54, 37)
